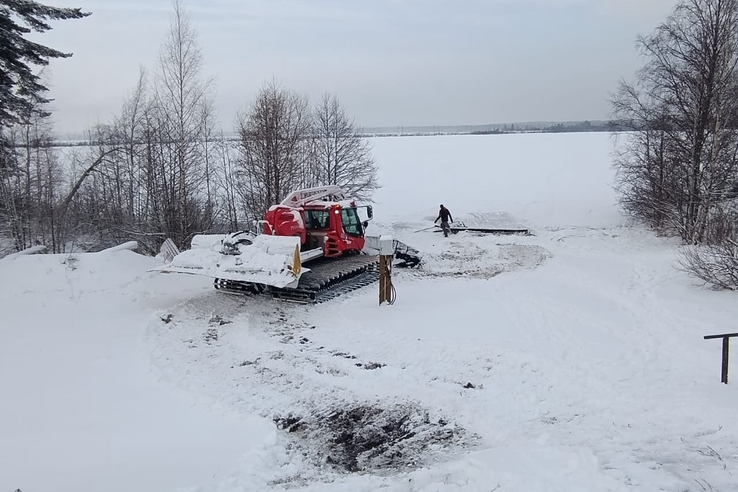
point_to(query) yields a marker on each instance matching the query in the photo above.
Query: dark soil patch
(364, 438)
(345, 355)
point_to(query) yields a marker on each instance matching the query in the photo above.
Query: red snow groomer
(309, 248)
(322, 218)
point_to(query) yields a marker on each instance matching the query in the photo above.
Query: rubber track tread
(326, 280)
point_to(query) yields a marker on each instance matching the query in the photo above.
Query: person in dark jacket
(444, 215)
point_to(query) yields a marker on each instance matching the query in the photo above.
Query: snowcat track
(326, 280)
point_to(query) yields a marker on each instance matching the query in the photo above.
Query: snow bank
(74, 273)
(33, 250)
(129, 246)
(81, 410)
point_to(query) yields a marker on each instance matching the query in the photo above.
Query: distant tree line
(569, 127)
(678, 166)
(162, 167)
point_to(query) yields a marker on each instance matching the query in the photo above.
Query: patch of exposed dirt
(369, 438)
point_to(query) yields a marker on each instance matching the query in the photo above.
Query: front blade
(268, 261)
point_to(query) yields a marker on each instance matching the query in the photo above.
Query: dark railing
(726, 352)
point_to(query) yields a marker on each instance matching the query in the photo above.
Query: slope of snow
(568, 360)
(80, 409)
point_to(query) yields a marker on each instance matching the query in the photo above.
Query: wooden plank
(726, 335)
(490, 230)
(726, 350)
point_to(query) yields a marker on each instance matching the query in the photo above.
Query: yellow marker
(296, 263)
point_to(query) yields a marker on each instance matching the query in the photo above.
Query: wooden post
(386, 255)
(726, 353)
(726, 356)
(383, 295)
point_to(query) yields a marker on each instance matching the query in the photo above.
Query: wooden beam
(727, 335)
(726, 353)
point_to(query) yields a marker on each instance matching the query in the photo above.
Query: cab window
(317, 219)
(350, 221)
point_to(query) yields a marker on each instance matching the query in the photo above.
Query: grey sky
(391, 62)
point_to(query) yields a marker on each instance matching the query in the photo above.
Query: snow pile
(81, 410)
(76, 274)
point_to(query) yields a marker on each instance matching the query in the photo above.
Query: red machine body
(333, 226)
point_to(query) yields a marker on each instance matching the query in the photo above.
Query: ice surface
(546, 180)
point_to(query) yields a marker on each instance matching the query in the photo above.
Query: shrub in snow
(716, 263)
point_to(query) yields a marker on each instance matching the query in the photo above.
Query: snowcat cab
(331, 226)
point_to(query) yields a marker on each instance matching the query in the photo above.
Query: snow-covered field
(568, 360)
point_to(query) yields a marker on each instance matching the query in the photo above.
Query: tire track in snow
(259, 358)
(578, 371)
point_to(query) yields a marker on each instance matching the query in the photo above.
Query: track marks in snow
(260, 358)
(475, 256)
(579, 362)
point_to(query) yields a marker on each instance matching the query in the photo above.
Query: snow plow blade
(275, 261)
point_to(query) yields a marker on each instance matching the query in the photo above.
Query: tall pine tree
(21, 92)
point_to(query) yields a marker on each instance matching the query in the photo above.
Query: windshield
(317, 219)
(350, 221)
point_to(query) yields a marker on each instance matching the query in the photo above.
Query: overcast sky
(391, 62)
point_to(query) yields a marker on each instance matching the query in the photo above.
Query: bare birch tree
(342, 156)
(226, 183)
(679, 167)
(273, 149)
(683, 110)
(181, 95)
